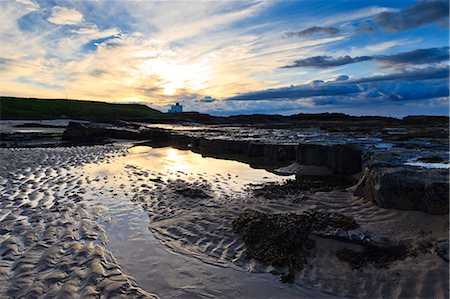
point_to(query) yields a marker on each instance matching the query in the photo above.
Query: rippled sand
(51, 244)
(74, 221)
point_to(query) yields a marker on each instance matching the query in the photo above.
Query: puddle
(383, 145)
(34, 126)
(170, 164)
(429, 165)
(154, 267)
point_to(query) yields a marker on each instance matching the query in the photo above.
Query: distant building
(177, 108)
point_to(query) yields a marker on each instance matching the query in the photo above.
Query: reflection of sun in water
(176, 161)
(172, 154)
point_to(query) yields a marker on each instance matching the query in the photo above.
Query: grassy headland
(32, 108)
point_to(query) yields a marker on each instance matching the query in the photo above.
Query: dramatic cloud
(420, 56)
(329, 30)
(65, 16)
(412, 75)
(134, 51)
(327, 61)
(396, 86)
(424, 12)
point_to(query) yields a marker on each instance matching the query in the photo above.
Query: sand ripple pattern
(202, 228)
(51, 245)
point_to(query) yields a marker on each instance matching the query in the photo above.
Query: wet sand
(51, 244)
(65, 217)
(104, 219)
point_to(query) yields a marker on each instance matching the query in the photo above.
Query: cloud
(415, 57)
(379, 18)
(342, 78)
(411, 75)
(396, 86)
(419, 56)
(208, 99)
(65, 16)
(29, 4)
(134, 51)
(328, 30)
(424, 12)
(327, 61)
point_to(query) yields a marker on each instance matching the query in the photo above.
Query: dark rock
(301, 184)
(380, 257)
(283, 239)
(275, 152)
(406, 188)
(433, 159)
(288, 277)
(425, 120)
(441, 249)
(341, 159)
(38, 125)
(95, 132)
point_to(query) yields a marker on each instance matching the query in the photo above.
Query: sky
(231, 57)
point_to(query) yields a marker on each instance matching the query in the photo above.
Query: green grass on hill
(30, 108)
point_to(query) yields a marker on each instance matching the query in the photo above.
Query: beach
(119, 220)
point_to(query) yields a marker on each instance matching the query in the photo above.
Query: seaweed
(301, 185)
(380, 257)
(283, 239)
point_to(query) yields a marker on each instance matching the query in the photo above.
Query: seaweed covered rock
(279, 240)
(283, 239)
(406, 188)
(301, 184)
(378, 256)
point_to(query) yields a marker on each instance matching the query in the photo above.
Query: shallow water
(428, 165)
(10, 126)
(154, 267)
(170, 164)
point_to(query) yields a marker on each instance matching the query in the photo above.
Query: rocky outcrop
(92, 133)
(425, 120)
(340, 159)
(244, 151)
(406, 188)
(380, 257)
(87, 133)
(272, 152)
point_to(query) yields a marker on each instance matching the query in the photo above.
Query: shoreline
(202, 228)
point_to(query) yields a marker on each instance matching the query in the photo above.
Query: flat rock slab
(406, 188)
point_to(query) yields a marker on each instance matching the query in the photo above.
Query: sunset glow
(380, 57)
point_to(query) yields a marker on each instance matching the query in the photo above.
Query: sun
(176, 75)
